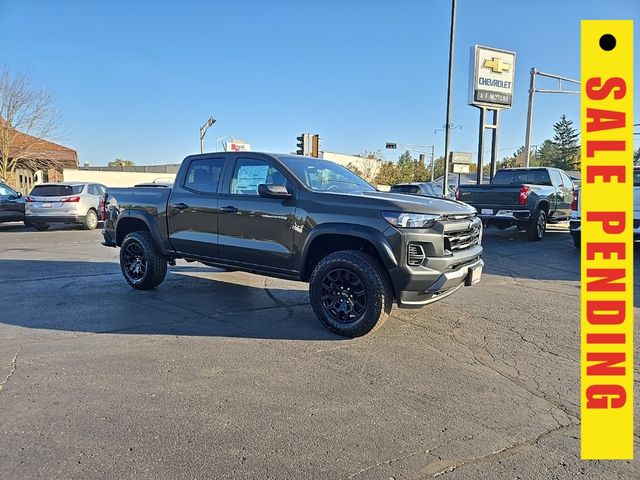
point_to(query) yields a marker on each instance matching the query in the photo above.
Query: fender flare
(373, 236)
(148, 220)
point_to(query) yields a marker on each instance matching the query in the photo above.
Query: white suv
(574, 221)
(66, 202)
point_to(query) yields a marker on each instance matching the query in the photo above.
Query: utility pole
(452, 40)
(532, 92)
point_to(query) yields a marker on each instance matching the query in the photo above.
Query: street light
(447, 125)
(203, 131)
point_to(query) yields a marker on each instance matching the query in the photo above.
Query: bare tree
(28, 119)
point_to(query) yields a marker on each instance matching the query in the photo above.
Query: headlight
(410, 220)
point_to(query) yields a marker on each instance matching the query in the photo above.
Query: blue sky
(136, 80)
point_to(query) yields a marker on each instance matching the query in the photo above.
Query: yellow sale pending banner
(606, 199)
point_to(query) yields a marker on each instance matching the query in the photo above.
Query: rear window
(56, 190)
(413, 189)
(518, 177)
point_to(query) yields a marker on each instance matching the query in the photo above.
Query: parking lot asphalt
(229, 375)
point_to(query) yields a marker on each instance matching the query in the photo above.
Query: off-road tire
(90, 220)
(537, 226)
(379, 296)
(41, 227)
(155, 264)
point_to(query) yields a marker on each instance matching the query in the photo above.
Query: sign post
(461, 162)
(491, 88)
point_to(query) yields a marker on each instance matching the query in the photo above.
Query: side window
(93, 190)
(556, 179)
(203, 175)
(250, 173)
(567, 181)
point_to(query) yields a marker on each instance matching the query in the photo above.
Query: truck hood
(412, 203)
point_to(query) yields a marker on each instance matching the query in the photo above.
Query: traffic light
(303, 144)
(391, 146)
(315, 146)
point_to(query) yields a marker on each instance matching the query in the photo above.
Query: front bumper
(442, 271)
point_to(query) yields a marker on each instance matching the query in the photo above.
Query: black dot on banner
(607, 42)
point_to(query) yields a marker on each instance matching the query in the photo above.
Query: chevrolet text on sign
(492, 74)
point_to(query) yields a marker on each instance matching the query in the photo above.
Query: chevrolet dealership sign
(492, 74)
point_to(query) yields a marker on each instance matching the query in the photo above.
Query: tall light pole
(203, 131)
(452, 41)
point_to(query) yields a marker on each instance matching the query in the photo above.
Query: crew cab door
(565, 193)
(192, 212)
(11, 205)
(254, 230)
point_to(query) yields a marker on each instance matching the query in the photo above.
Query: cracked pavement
(229, 375)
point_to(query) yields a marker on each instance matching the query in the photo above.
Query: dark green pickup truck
(303, 219)
(527, 198)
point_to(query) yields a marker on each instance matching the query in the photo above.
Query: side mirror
(273, 191)
(17, 195)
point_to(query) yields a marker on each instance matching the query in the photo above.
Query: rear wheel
(90, 220)
(41, 226)
(350, 293)
(537, 226)
(142, 265)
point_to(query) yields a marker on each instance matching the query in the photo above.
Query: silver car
(65, 202)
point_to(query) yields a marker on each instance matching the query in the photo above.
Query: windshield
(56, 190)
(6, 191)
(325, 176)
(518, 177)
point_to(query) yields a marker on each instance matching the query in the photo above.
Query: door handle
(180, 206)
(229, 209)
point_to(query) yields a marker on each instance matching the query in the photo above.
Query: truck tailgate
(490, 196)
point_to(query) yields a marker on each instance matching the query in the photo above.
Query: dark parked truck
(303, 219)
(528, 198)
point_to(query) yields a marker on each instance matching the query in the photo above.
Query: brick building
(44, 162)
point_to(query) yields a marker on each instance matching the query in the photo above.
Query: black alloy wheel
(135, 263)
(344, 297)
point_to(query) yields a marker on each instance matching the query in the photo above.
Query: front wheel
(537, 226)
(41, 226)
(350, 293)
(142, 265)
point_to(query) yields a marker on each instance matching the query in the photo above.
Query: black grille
(416, 255)
(462, 239)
